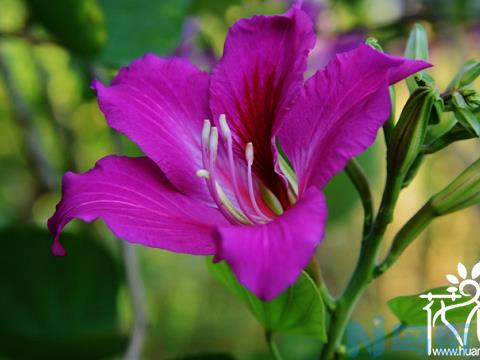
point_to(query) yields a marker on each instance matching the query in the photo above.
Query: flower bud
(373, 42)
(468, 120)
(472, 98)
(417, 48)
(465, 76)
(463, 192)
(458, 101)
(409, 133)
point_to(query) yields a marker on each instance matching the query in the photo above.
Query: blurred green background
(80, 307)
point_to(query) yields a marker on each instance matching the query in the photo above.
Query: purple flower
(223, 187)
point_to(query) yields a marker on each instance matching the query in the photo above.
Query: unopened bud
(468, 120)
(409, 133)
(465, 76)
(472, 98)
(417, 48)
(458, 101)
(462, 192)
(373, 42)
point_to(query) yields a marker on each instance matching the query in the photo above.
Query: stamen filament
(249, 157)
(205, 140)
(205, 171)
(246, 209)
(229, 206)
(213, 145)
(228, 138)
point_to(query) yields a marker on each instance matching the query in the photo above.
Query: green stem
(328, 300)
(406, 235)
(272, 346)
(314, 271)
(360, 181)
(390, 123)
(458, 133)
(363, 273)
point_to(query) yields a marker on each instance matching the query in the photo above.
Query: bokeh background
(81, 307)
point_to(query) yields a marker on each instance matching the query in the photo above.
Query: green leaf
(298, 310)
(206, 356)
(57, 308)
(211, 6)
(409, 309)
(139, 26)
(417, 48)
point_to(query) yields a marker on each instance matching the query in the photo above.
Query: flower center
(247, 201)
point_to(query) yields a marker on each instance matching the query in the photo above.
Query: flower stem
(360, 181)
(405, 236)
(364, 270)
(314, 271)
(390, 123)
(271, 345)
(135, 287)
(32, 141)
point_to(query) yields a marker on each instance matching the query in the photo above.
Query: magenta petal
(138, 204)
(258, 78)
(268, 258)
(340, 112)
(160, 105)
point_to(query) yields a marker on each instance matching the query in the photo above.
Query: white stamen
(208, 173)
(213, 145)
(202, 173)
(245, 210)
(249, 153)
(238, 215)
(224, 126)
(236, 190)
(206, 131)
(251, 193)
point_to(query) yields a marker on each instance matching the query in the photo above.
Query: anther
(206, 131)
(249, 153)
(202, 173)
(227, 134)
(213, 143)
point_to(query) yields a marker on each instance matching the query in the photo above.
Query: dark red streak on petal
(258, 113)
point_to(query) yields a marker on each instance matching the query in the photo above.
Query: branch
(138, 302)
(135, 287)
(25, 35)
(31, 138)
(405, 237)
(271, 345)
